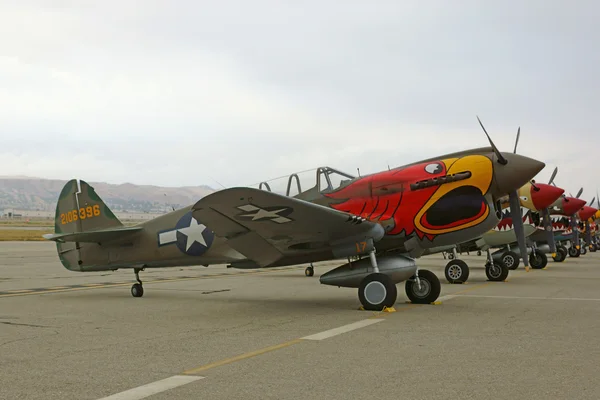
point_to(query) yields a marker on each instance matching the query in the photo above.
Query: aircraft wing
(98, 236)
(265, 226)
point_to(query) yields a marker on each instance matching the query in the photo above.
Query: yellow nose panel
(481, 169)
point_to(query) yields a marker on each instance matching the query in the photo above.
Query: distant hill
(28, 193)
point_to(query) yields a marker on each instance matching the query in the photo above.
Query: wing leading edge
(265, 226)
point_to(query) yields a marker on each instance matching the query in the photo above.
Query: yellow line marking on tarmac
(242, 357)
(29, 292)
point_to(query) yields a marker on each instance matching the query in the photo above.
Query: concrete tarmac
(218, 333)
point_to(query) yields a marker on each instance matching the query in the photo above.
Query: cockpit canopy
(309, 184)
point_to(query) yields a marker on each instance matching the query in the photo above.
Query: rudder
(80, 209)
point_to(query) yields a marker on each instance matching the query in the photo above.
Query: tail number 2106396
(82, 213)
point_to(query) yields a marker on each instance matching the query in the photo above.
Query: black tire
(430, 288)
(309, 271)
(593, 248)
(573, 252)
(137, 290)
(457, 271)
(377, 291)
(538, 260)
(511, 260)
(582, 250)
(561, 254)
(498, 272)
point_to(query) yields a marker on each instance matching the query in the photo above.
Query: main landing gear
(574, 252)
(377, 291)
(457, 271)
(561, 254)
(495, 271)
(137, 290)
(537, 259)
(511, 260)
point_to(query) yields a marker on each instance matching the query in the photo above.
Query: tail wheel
(511, 260)
(377, 291)
(429, 290)
(496, 272)
(457, 271)
(137, 290)
(309, 271)
(538, 260)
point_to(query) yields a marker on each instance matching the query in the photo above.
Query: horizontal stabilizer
(98, 236)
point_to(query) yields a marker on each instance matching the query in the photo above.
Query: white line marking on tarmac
(342, 329)
(528, 298)
(144, 391)
(446, 297)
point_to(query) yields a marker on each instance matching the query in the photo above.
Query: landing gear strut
(496, 271)
(137, 290)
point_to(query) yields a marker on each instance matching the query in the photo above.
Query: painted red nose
(573, 205)
(545, 196)
(587, 212)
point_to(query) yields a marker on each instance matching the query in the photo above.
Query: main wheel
(309, 271)
(573, 252)
(561, 254)
(582, 250)
(137, 290)
(593, 248)
(511, 260)
(428, 292)
(457, 271)
(496, 272)
(538, 260)
(377, 291)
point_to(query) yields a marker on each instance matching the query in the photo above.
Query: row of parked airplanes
(379, 225)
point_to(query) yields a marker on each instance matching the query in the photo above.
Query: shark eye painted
(524, 198)
(433, 168)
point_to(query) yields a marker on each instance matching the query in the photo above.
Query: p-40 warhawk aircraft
(405, 210)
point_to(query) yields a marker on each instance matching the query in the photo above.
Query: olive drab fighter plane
(387, 219)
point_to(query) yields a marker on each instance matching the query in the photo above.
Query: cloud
(184, 93)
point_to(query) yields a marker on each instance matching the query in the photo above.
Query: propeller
(515, 204)
(579, 193)
(551, 181)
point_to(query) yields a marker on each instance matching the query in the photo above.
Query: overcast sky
(187, 92)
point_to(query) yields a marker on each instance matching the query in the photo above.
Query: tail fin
(80, 209)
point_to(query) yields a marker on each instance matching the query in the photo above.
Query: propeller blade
(579, 193)
(547, 224)
(592, 202)
(517, 140)
(598, 199)
(501, 158)
(553, 176)
(515, 213)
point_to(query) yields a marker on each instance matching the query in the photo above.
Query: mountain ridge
(41, 194)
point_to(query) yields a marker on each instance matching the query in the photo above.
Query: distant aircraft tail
(82, 221)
